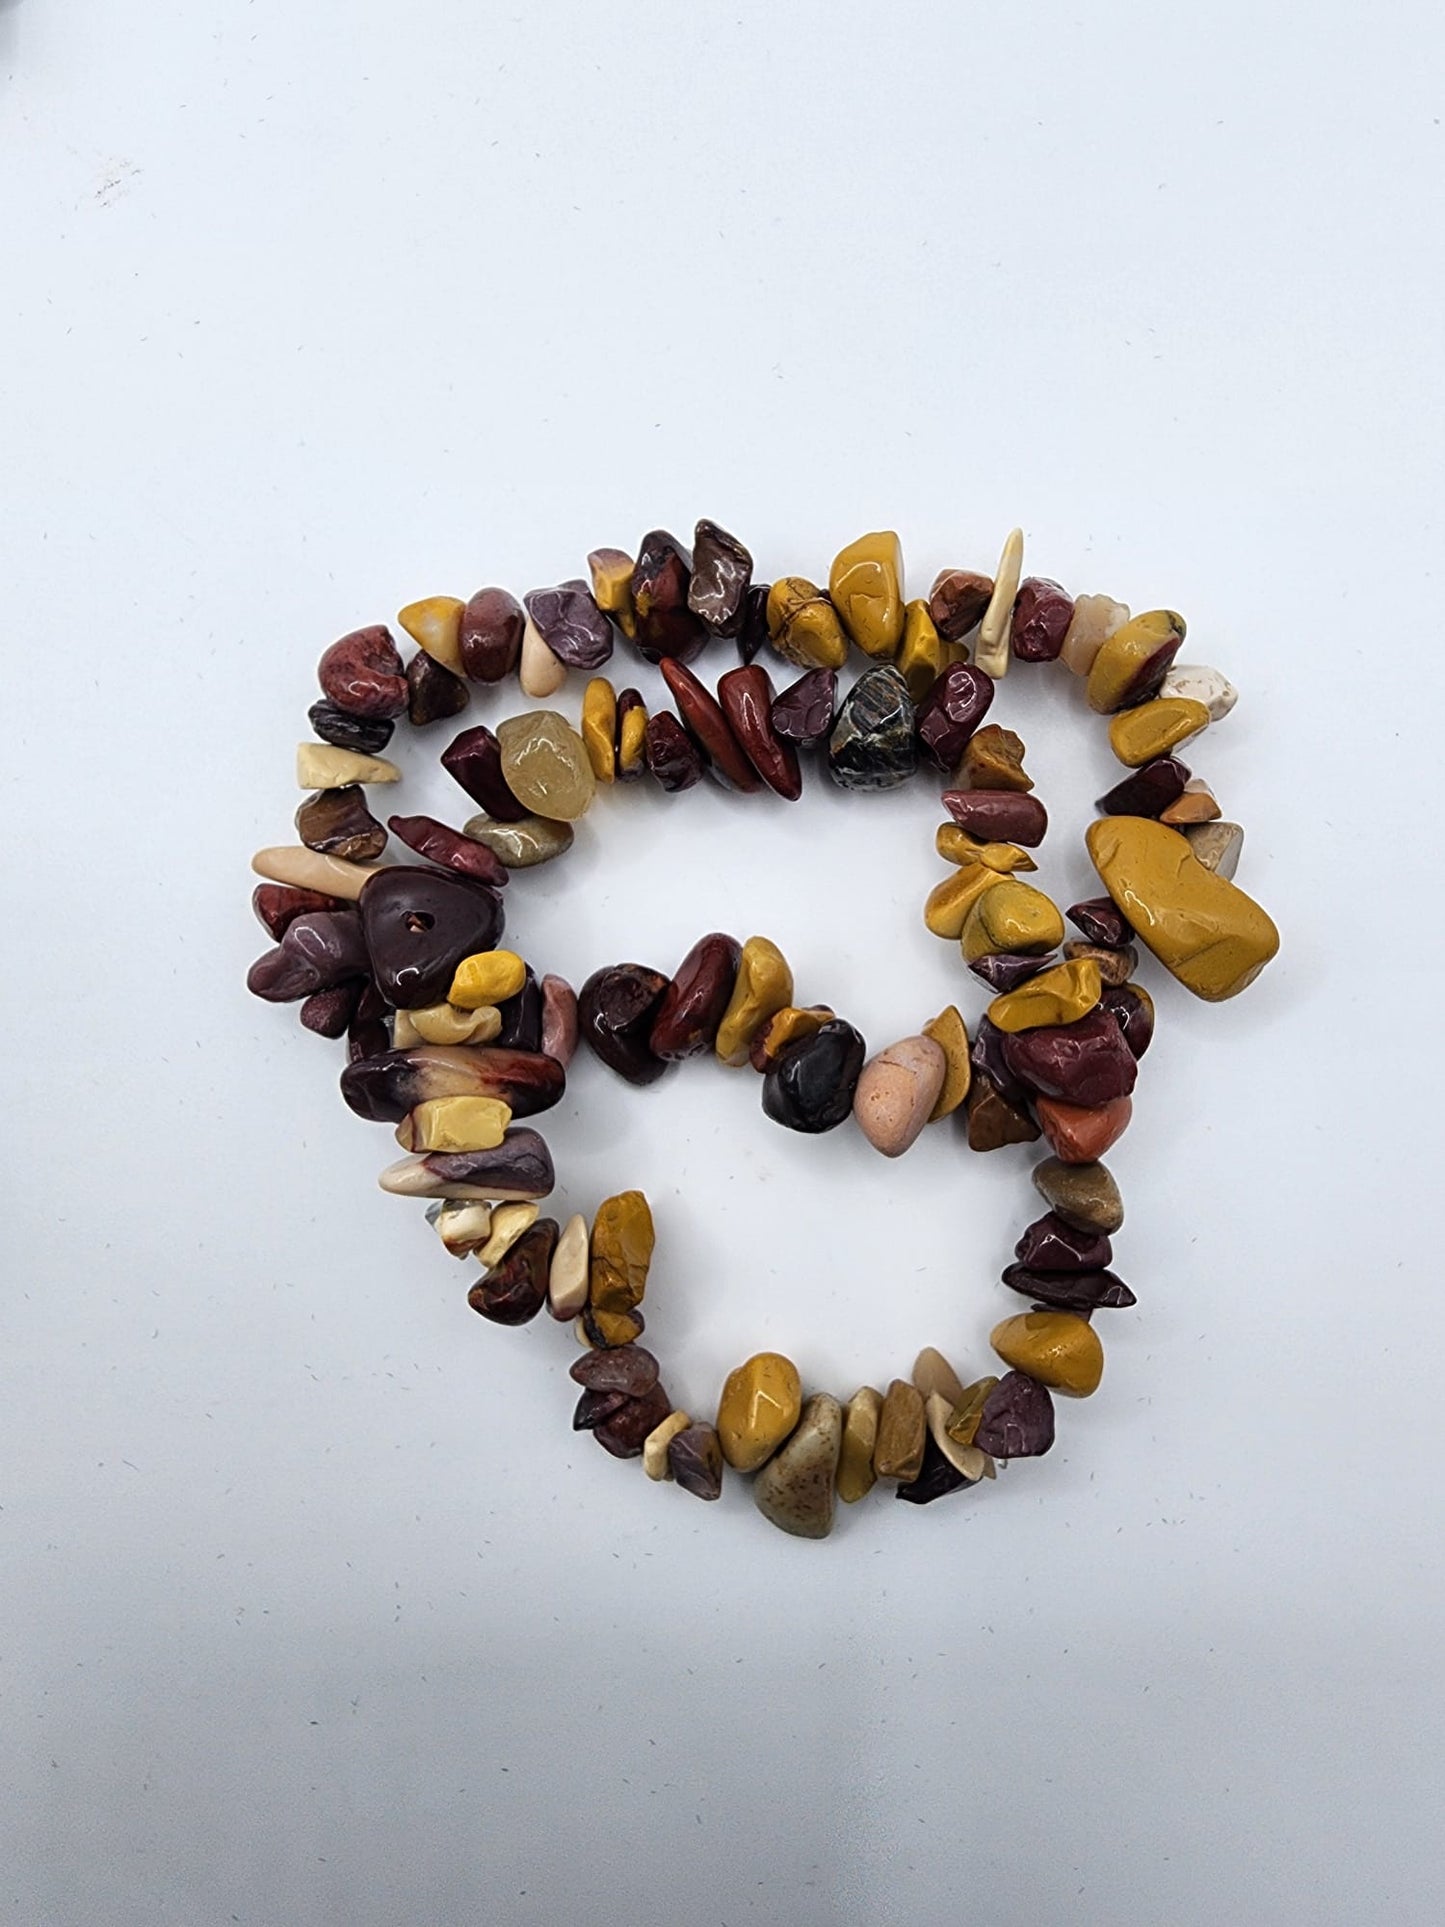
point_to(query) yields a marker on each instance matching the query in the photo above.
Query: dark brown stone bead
(571, 625)
(692, 1007)
(385, 1086)
(1101, 921)
(514, 1291)
(474, 759)
(709, 727)
(522, 1017)
(490, 638)
(329, 1012)
(747, 701)
(803, 713)
(722, 570)
(1041, 618)
(1018, 1420)
(872, 745)
(338, 823)
(592, 1407)
(433, 692)
(627, 701)
(367, 735)
(449, 848)
(993, 759)
(952, 710)
(695, 1460)
(661, 578)
(1002, 971)
(319, 949)
(998, 816)
(1052, 1244)
(994, 1122)
(625, 1433)
(629, 1369)
(958, 601)
(1132, 1013)
(419, 925)
(363, 674)
(1148, 791)
(811, 1082)
(673, 758)
(936, 1478)
(278, 905)
(1086, 1063)
(369, 1034)
(753, 632)
(1081, 1291)
(986, 1054)
(616, 1008)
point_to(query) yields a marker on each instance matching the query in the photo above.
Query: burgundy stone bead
(571, 625)
(522, 1017)
(1080, 1291)
(809, 1086)
(338, 823)
(368, 735)
(692, 1008)
(803, 714)
(937, 1477)
(277, 905)
(627, 701)
(1101, 922)
(329, 1012)
(1002, 971)
(673, 758)
(559, 1019)
(515, 1290)
(363, 674)
(616, 1008)
(998, 816)
(474, 759)
(419, 925)
(1050, 1244)
(490, 638)
(1131, 1013)
(747, 700)
(1085, 1063)
(449, 848)
(957, 602)
(952, 710)
(629, 1369)
(520, 1164)
(707, 724)
(594, 1406)
(722, 569)
(987, 1055)
(1018, 1420)
(625, 1433)
(385, 1085)
(1147, 791)
(661, 577)
(433, 692)
(318, 949)
(753, 632)
(1041, 618)
(369, 1034)
(696, 1462)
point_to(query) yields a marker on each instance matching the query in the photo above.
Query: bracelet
(454, 1039)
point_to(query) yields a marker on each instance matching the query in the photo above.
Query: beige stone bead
(538, 670)
(462, 1226)
(896, 1093)
(322, 766)
(310, 870)
(796, 1489)
(995, 631)
(932, 1374)
(856, 1477)
(1216, 845)
(1201, 684)
(435, 624)
(654, 1446)
(509, 1223)
(567, 1279)
(970, 1460)
(1094, 620)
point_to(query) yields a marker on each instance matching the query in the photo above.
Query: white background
(314, 1609)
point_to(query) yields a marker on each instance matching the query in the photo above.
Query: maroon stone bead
(955, 705)
(368, 735)
(318, 949)
(753, 631)
(998, 816)
(1134, 1017)
(338, 823)
(661, 578)
(1051, 1244)
(627, 701)
(709, 727)
(1018, 1419)
(449, 848)
(722, 570)
(692, 1007)
(616, 1009)
(629, 1369)
(571, 625)
(474, 759)
(419, 925)
(369, 1034)
(673, 758)
(520, 1163)
(1086, 1063)
(936, 1478)
(747, 700)
(803, 714)
(329, 1012)
(522, 1017)
(957, 602)
(490, 638)
(277, 905)
(594, 1406)
(363, 675)
(433, 692)
(1101, 921)
(987, 1055)
(695, 1460)
(1041, 618)
(624, 1434)
(514, 1291)
(1080, 1291)
(1148, 791)
(559, 1018)
(384, 1086)
(1002, 971)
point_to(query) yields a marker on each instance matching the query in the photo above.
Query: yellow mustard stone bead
(760, 1404)
(856, 1477)
(455, 1124)
(950, 1033)
(1123, 656)
(963, 1422)
(924, 654)
(803, 625)
(435, 624)
(599, 728)
(949, 904)
(955, 845)
(1137, 736)
(1204, 930)
(623, 1237)
(488, 977)
(1058, 1348)
(1059, 996)
(632, 742)
(763, 985)
(611, 573)
(1014, 918)
(784, 1027)
(445, 1024)
(613, 1328)
(865, 584)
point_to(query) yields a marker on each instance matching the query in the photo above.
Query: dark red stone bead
(957, 602)
(753, 631)
(1050, 1244)
(369, 1034)
(1101, 922)
(1080, 1291)
(722, 569)
(692, 1008)
(514, 1291)
(433, 692)
(696, 1462)
(474, 759)
(571, 625)
(1018, 1420)
(317, 950)
(594, 1406)
(629, 1369)
(952, 710)
(1131, 1013)
(998, 816)
(747, 701)
(1041, 618)
(279, 904)
(329, 1012)
(367, 735)
(1086, 1063)
(811, 1082)
(673, 758)
(987, 1055)
(449, 848)
(363, 674)
(490, 639)
(709, 727)
(616, 1009)
(419, 925)
(803, 713)
(661, 578)
(625, 1433)
(1148, 791)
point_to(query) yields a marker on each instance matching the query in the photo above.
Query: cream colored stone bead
(307, 869)
(995, 632)
(654, 1446)
(1094, 620)
(445, 1024)
(971, 1460)
(462, 1227)
(322, 766)
(539, 672)
(932, 1374)
(1197, 682)
(509, 1222)
(567, 1279)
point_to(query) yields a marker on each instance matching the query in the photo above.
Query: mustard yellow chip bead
(856, 1477)
(435, 624)
(763, 985)
(611, 573)
(949, 904)
(1013, 918)
(964, 1420)
(1058, 1348)
(489, 977)
(599, 728)
(1137, 736)
(632, 742)
(865, 585)
(1061, 995)
(623, 1237)
(803, 625)
(924, 654)
(950, 1033)
(445, 1024)
(455, 1124)
(955, 845)
(1127, 658)
(760, 1404)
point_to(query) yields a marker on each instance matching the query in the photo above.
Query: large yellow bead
(759, 1407)
(1058, 1348)
(865, 585)
(623, 1237)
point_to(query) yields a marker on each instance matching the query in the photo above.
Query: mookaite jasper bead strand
(457, 1042)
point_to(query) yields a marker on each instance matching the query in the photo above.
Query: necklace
(454, 1039)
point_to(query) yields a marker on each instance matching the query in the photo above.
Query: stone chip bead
(759, 1407)
(993, 759)
(322, 766)
(449, 849)
(317, 951)
(966, 1460)
(386, 1086)
(329, 1013)
(1042, 613)
(1012, 917)
(338, 823)
(782, 1028)
(722, 571)
(1051, 1243)
(1078, 1291)
(695, 1460)
(923, 654)
(1083, 1195)
(1017, 1420)
(950, 1033)
(795, 1490)
(435, 625)
(674, 759)
(803, 625)
(658, 1443)
(896, 1093)
(568, 1276)
(957, 846)
(541, 672)
(571, 624)
(1114, 966)
(463, 1225)
(419, 925)
(616, 1009)
(599, 728)
(455, 1124)
(873, 745)
(611, 574)
(623, 1239)
(522, 843)
(949, 904)
(509, 1223)
(1152, 729)
(958, 600)
(954, 706)
(362, 674)
(995, 1120)
(803, 713)
(1133, 661)
(762, 987)
(998, 816)
(810, 1085)
(489, 636)
(666, 626)
(695, 1001)
(934, 1376)
(1059, 1349)
(902, 1428)
(1216, 846)
(1094, 620)
(559, 1018)
(968, 1409)
(1196, 682)
(515, 1290)
(994, 630)
(629, 1369)
(474, 759)
(1205, 931)
(432, 693)
(1081, 1133)
(1195, 803)
(747, 698)
(444, 1024)
(865, 586)
(545, 765)
(1060, 995)
(369, 734)
(856, 1477)
(710, 728)
(520, 1168)
(487, 977)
